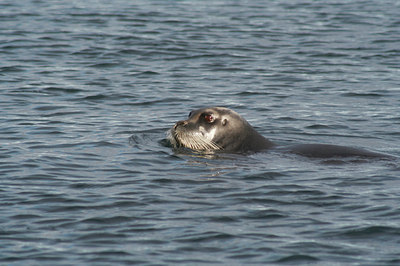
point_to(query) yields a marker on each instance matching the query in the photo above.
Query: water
(89, 89)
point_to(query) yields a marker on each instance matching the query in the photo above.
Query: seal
(221, 129)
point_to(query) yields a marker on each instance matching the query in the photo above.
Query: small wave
(367, 95)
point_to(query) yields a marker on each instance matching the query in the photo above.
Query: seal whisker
(191, 140)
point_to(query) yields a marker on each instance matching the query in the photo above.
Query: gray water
(90, 88)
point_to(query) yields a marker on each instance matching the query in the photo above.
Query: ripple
(11, 69)
(372, 95)
(298, 259)
(205, 237)
(371, 231)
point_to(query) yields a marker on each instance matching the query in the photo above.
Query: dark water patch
(186, 181)
(129, 204)
(108, 220)
(69, 166)
(214, 190)
(368, 95)
(105, 65)
(11, 69)
(38, 177)
(252, 93)
(102, 238)
(8, 170)
(165, 181)
(61, 90)
(204, 237)
(119, 98)
(322, 126)
(145, 73)
(5, 156)
(25, 217)
(91, 185)
(49, 131)
(376, 209)
(298, 258)
(246, 256)
(54, 222)
(190, 261)
(87, 53)
(71, 208)
(267, 215)
(223, 219)
(329, 55)
(145, 228)
(86, 156)
(371, 231)
(250, 198)
(53, 200)
(35, 90)
(264, 176)
(46, 108)
(146, 102)
(97, 97)
(286, 118)
(214, 65)
(60, 114)
(130, 52)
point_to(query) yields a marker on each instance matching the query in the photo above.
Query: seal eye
(190, 114)
(209, 118)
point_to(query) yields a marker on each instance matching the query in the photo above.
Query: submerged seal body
(222, 129)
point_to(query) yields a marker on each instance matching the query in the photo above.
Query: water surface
(89, 90)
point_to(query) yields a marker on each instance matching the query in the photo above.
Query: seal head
(217, 129)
